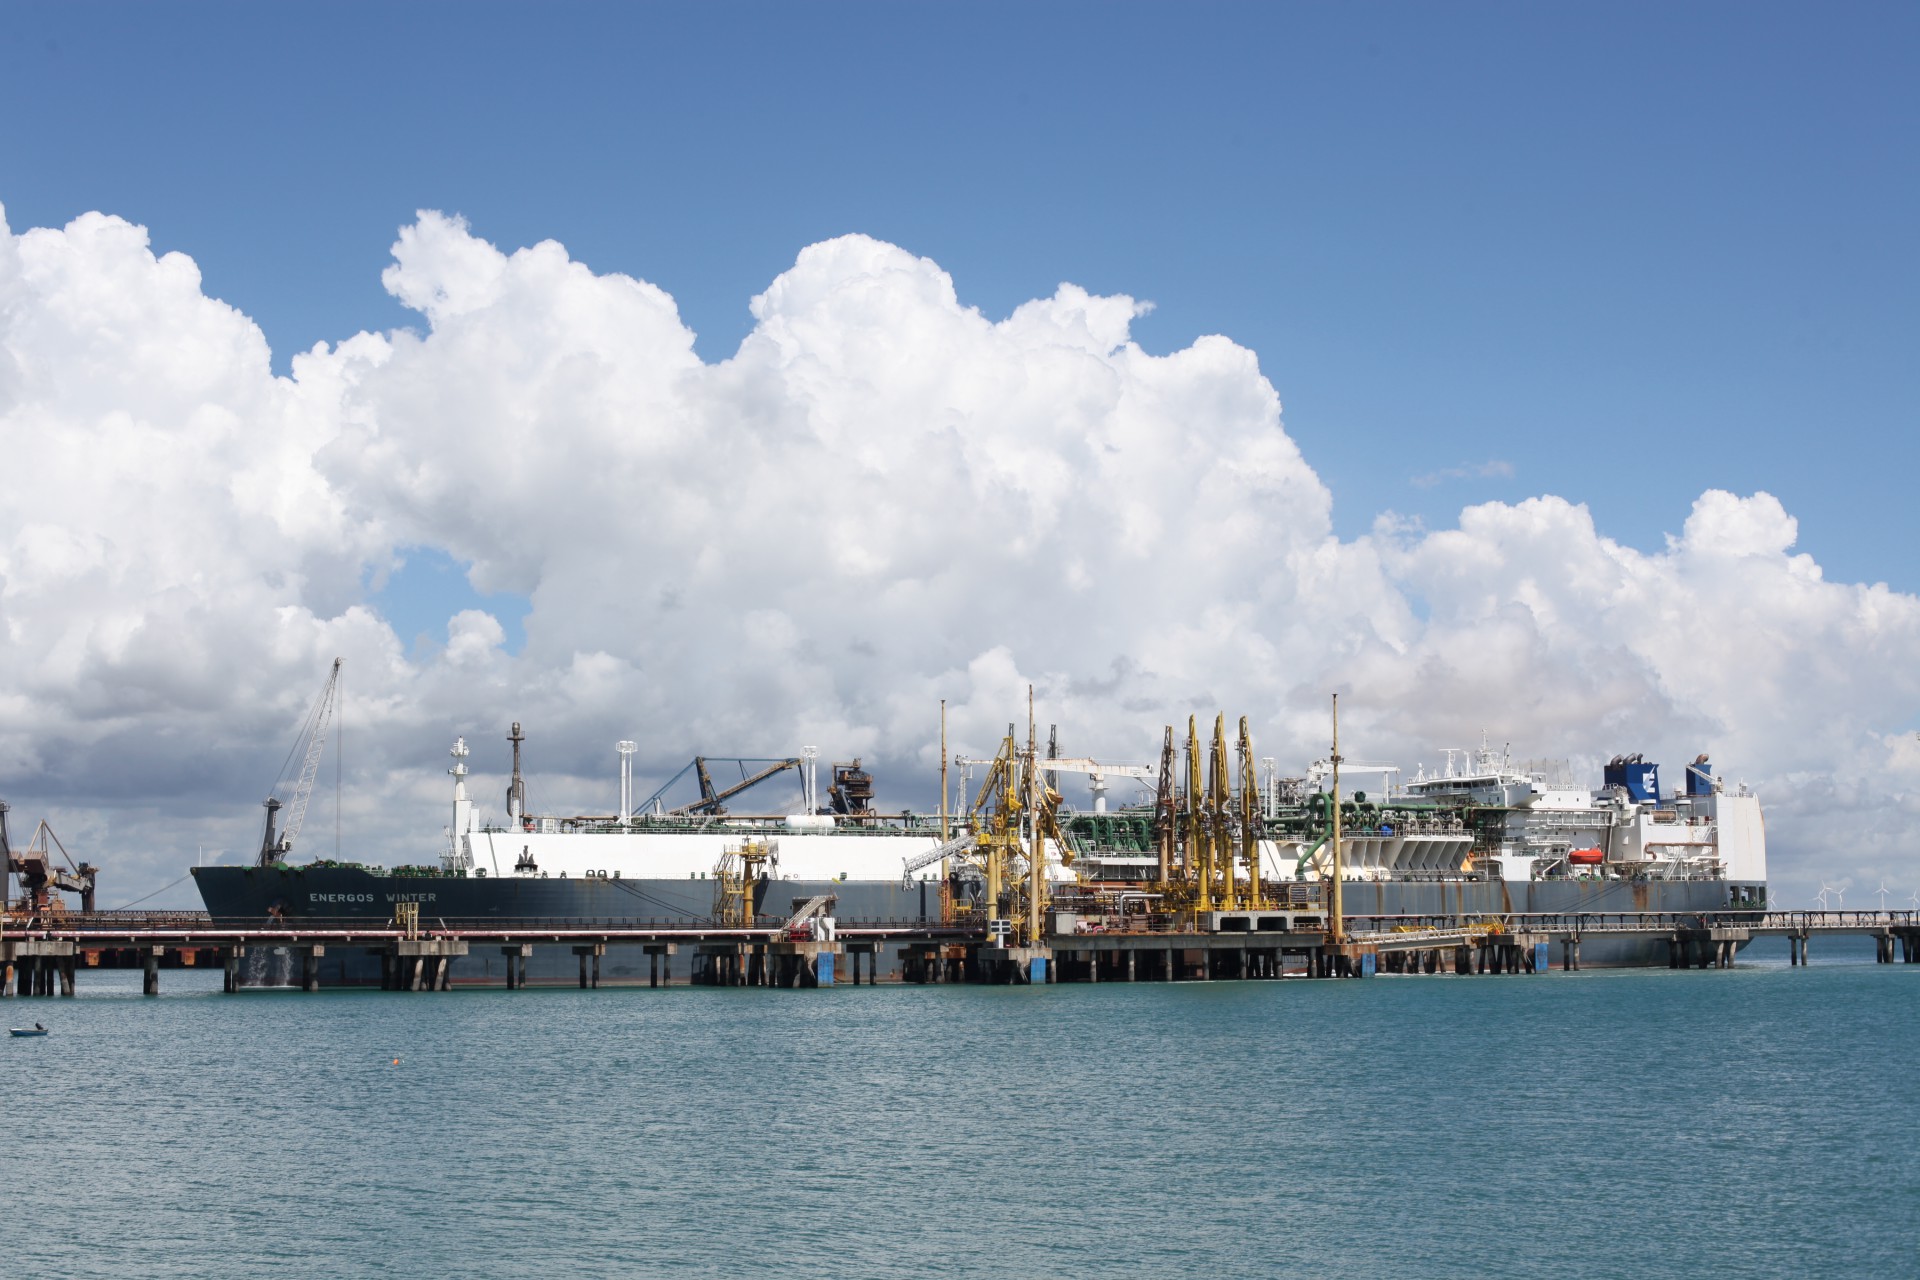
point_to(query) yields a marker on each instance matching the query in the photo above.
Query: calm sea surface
(1646, 1123)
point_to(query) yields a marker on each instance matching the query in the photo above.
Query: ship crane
(274, 850)
(713, 799)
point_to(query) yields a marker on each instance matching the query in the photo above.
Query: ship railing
(1756, 919)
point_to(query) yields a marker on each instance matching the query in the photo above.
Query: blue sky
(1622, 253)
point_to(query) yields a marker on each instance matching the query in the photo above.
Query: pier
(42, 957)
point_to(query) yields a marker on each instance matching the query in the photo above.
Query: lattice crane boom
(310, 766)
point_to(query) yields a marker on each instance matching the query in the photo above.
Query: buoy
(396, 1062)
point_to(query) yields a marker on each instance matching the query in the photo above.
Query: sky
(731, 376)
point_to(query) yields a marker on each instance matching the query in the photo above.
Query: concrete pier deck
(39, 956)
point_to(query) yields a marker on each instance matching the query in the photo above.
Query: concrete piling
(310, 967)
(590, 964)
(516, 958)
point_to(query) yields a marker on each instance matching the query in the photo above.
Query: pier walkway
(42, 955)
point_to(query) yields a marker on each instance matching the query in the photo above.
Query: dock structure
(39, 957)
(38, 954)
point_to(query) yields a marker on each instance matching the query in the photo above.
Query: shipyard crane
(275, 850)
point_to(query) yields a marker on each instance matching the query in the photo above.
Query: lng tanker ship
(1480, 836)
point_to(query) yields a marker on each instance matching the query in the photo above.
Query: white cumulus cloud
(882, 499)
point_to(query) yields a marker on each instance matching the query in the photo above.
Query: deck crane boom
(712, 798)
(272, 850)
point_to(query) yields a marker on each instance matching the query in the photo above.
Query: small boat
(35, 1030)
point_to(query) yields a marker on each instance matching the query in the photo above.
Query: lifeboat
(1586, 857)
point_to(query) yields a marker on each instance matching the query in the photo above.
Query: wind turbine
(1882, 891)
(1820, 898)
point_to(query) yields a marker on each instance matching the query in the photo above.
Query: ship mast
(1336, 920)
(517, 789)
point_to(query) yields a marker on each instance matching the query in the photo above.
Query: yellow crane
(1256, 899)
(734, 878)
(1014, 821)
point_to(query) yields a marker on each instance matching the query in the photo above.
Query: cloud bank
(882, 499)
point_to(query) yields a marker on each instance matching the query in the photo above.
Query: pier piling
(659, 963)
(590, 964)
(516, 958)
(310, 967)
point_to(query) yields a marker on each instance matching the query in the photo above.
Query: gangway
(806, 912)
(959, 844)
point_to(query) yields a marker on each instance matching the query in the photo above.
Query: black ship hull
(356, 895)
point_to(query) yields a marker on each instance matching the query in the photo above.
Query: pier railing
(1593, 922)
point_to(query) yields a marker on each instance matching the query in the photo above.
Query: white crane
(1097, 774)
(315, 731)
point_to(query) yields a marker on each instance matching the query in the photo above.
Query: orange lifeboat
(1586, 857)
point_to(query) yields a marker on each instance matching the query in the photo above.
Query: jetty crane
(39, 877)
(1097, 775)
(1012, 823)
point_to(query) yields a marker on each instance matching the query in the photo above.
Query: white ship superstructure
(1536, 825)
(805, 845)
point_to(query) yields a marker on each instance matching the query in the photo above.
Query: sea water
(1757, 1122)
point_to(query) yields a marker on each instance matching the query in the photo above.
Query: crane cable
(156, 893)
